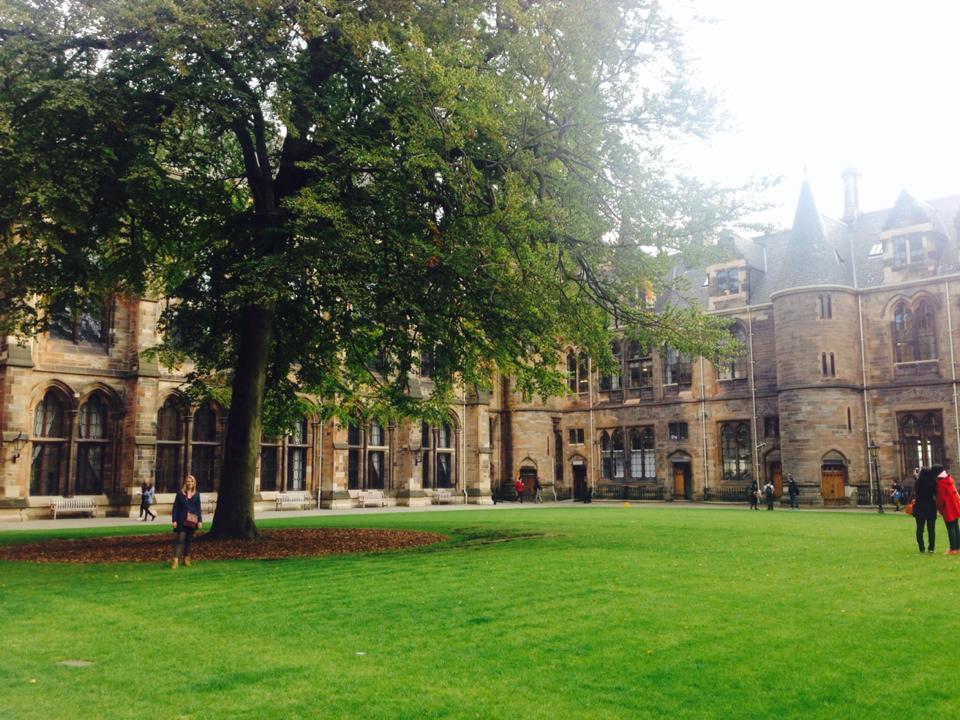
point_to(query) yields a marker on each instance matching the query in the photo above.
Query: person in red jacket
(518, 486)
(948, 503)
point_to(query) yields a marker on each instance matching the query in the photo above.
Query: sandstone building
(847, 328)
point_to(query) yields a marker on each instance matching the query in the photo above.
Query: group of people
(537, 490)
(935, 491)
(769, 491)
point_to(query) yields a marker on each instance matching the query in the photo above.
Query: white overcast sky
(822, 85)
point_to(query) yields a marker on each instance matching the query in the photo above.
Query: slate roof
(818, 250)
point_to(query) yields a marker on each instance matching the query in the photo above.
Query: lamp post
(874, 451)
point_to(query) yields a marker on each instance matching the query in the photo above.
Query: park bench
(371, 497)
(442, 495)
(295, 500)
(62, 505)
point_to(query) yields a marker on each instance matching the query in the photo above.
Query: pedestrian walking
(896, 495)
(754, 496)
(537, 490)
(948, 503)
(147, 494)
(518, 486)
(925, 507)
(793, 491)
(768, 494)
(187, 519)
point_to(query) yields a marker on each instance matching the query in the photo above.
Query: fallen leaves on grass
(272, 545)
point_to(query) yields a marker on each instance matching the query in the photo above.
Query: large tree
(327, 191)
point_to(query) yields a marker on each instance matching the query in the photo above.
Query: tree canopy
(328, 192)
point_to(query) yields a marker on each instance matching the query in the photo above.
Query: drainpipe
(463, 444)
(953, 364)
(863, 370)
(753, 399)
(320, 466)
(593, 450)
(703, 428)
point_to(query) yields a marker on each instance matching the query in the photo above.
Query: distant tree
(325, 191)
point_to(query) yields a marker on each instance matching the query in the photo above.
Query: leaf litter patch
(272, 545)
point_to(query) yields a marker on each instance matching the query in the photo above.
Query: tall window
(614, 381)
(445, 452)
(914, 332)
(736, 451)
(578, 373)
(297, 446)
(92, 443)
(170, 446)
(426, 456)
(921, 437)
(50, 444)
(205, 455)
(639, 365)
(354, 448)
(642, 454)
(825, 307)
(736, 367)
(269, 466)
(676, 367)
(376, 456)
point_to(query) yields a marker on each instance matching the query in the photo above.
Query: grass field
(591, 612)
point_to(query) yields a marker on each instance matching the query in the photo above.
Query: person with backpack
(768, 494)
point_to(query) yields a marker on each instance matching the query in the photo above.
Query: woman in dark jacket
(187, 519)
(925, 507)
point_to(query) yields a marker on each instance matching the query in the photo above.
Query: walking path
(72, 523)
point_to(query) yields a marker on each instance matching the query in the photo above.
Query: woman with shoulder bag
(187, 519)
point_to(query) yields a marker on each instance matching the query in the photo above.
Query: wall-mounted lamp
(18, 442)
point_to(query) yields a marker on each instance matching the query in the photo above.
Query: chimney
(851, 195)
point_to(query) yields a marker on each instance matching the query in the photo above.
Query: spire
(807, 223)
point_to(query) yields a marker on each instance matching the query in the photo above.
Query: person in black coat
(925, 507)
(793, 491)
(187, 519)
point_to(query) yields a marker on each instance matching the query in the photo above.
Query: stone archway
(833, 478)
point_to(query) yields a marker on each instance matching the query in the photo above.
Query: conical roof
(816, 252)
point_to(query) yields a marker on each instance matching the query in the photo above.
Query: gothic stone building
(848, 374)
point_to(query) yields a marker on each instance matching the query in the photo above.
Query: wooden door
(678, 477)
(832, 483)
(579, 482)
(776, 476)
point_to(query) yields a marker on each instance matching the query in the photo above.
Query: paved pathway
(85, 522)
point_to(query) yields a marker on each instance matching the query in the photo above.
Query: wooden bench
(442, 496)
(62, 505)
(295, 500)
(371, 497)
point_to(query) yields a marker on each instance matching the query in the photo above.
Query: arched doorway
(833, 479)
(528, 473)
(775, 472)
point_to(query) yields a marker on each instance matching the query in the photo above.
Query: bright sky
(826, 84)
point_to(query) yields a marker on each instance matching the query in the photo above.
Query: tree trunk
(234, 516)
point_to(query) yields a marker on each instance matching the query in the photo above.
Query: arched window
(676, 367)
(578, 373)
(921, 437)
(170, 447)
(614, 381)
(617, 453)
(903, 335)
(736, 367)
(606, 456)
(642, 454)
(926, 344)
(50, 445)
(205, 451)
(92, 443)
(297, 446)
(572, 371)
(736, 451)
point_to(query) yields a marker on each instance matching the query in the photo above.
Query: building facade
(847, 379)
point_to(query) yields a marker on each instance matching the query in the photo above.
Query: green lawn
(593, 612)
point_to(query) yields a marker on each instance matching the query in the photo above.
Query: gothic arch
(40, 391)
